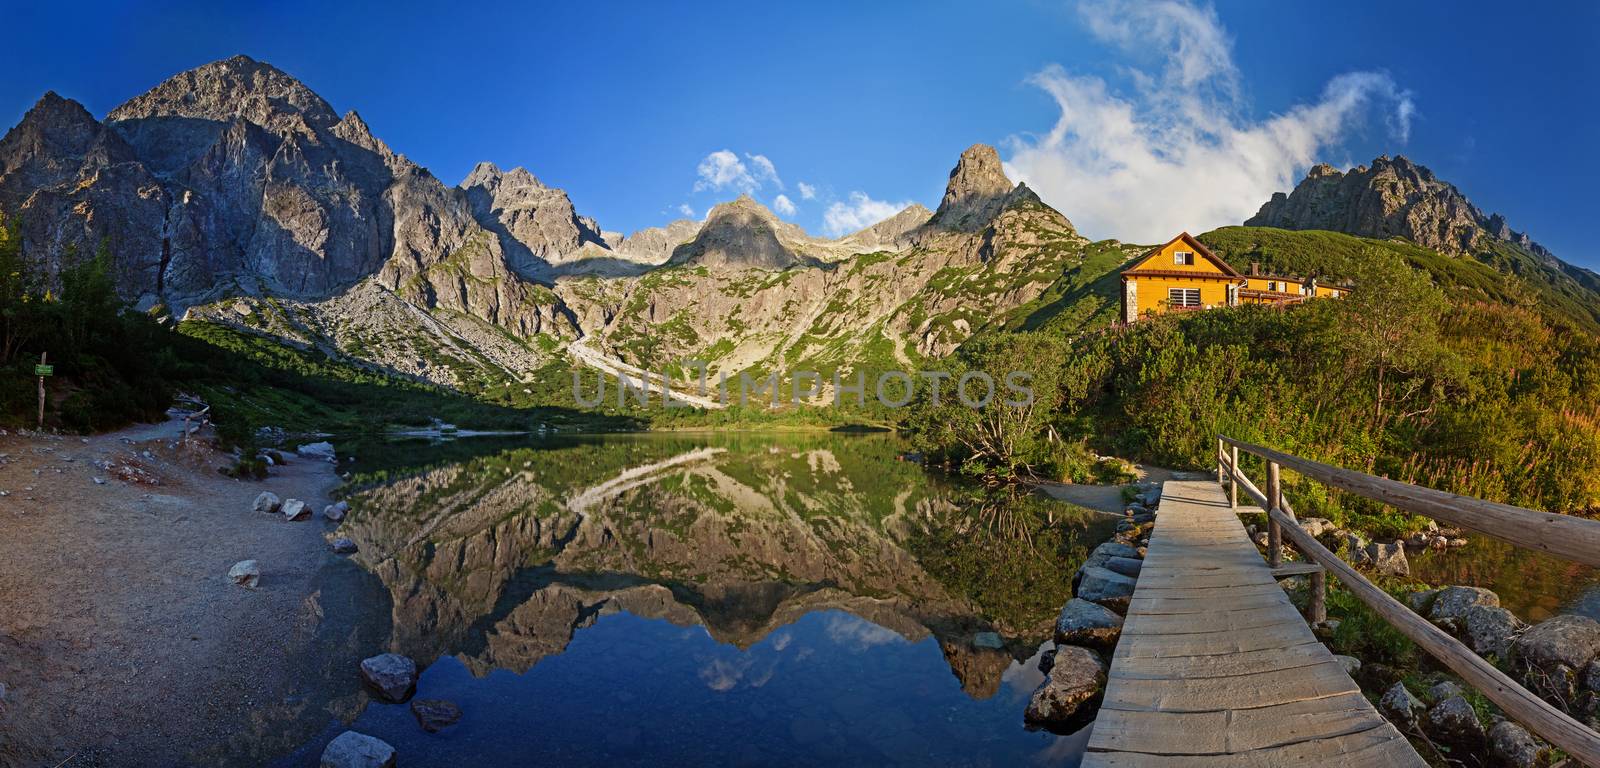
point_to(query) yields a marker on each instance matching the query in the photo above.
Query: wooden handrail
(1538, 715)
(1573, 538)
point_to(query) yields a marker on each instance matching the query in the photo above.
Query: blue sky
(1167, 116)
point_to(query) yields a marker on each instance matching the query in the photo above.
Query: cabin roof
(1190, 241)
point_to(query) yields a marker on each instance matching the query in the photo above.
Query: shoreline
(121, 636)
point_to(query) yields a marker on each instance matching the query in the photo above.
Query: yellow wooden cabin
(1184, 275)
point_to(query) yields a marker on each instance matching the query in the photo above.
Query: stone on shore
(1088, 624)
(295, 510)
(245, 573)
(1454, 722)
(1388, 559)
(1402, 708)
(1127, 566)
(435, 715)
(1454, 602)
(1443, 690)
(1076, 678)
(344, 546)
(1355, 549)
(1351, 664)
(322, 450)
(357, 750)
(1104, 586)
(267, 501)
(1513, 746)
(1489, 629)
(336, 511)
(1554, 653)
(390, 674)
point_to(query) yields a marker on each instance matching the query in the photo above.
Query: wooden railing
(1569, 537)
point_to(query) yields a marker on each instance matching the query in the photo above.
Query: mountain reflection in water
(716, 599)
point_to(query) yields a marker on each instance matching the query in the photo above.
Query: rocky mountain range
(234, 194)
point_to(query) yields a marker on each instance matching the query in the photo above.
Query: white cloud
(807, 192)
(860, 212)
(1178, 152)
(783, 205)
(684, 209)
(723, 169)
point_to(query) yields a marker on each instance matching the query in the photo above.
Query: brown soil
(122, 640)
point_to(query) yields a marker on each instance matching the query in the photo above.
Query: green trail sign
(44, 370)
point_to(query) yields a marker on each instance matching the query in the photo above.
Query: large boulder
(1454, 722)
(1089, 624)
(1127, 566)
(295, 510)
(1513, 746)
(1104, 586)
(435, 715)
(323, 450)
(267, 501)
(1489, 629)
(245, 573)
(344, 546)
(357, 750)
(1075, 680)
(1388, 559)
(1552, 655)
(391, 675)
(1103, 553)
(1454, 602)
(1402, 708)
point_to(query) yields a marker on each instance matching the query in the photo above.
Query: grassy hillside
(1437, 370)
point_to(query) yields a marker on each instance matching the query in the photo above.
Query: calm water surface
(709, 600)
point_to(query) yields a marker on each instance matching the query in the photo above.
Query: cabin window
(1272, 285)
(1185, 258)
(1183, 297)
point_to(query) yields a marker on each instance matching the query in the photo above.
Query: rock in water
(336, 511)
(1402, 708)
(344, 546)
(1090, 624)
(1513, 746)
(435, 715)
(245, 573)
(391, 675)
(266, 502)
(1454, 602)
(1553, 654)
(1389, 559)
(1454, 722)
(322, 450)
(295, 510)
(1076, 678)
(357, 750)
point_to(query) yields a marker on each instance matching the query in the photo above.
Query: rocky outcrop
(744, 233)
(977, 191)
(1553, 654)
(536, 224)
(1398, 198)
(1088, 624)
(390, 675)
(1077, 677)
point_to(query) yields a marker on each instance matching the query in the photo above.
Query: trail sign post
(42, 370)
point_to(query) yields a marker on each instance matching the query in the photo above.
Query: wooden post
(1317, 607)
(43, 357)
(1275, 504)
(1233, 480)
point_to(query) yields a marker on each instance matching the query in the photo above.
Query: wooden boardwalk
(1216, 667)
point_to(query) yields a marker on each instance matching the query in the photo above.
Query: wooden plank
(1178, 605)
(1233, 730)
(1208, 694)
(1296, 569)
(1244, 663)
(1215, 621)
(1381, 747)
(1212, 643)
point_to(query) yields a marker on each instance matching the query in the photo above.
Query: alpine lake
(723, 599)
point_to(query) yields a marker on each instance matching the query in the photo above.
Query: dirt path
(123, 642)
(1101, 498)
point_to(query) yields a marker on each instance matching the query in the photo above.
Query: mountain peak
(976, 191)
(237, 87)
(742, 233)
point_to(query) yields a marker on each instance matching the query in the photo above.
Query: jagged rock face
(654, 245)
(1391, 198)
(891, 233)
(977, 190)
(535, 223)
(743, 233)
